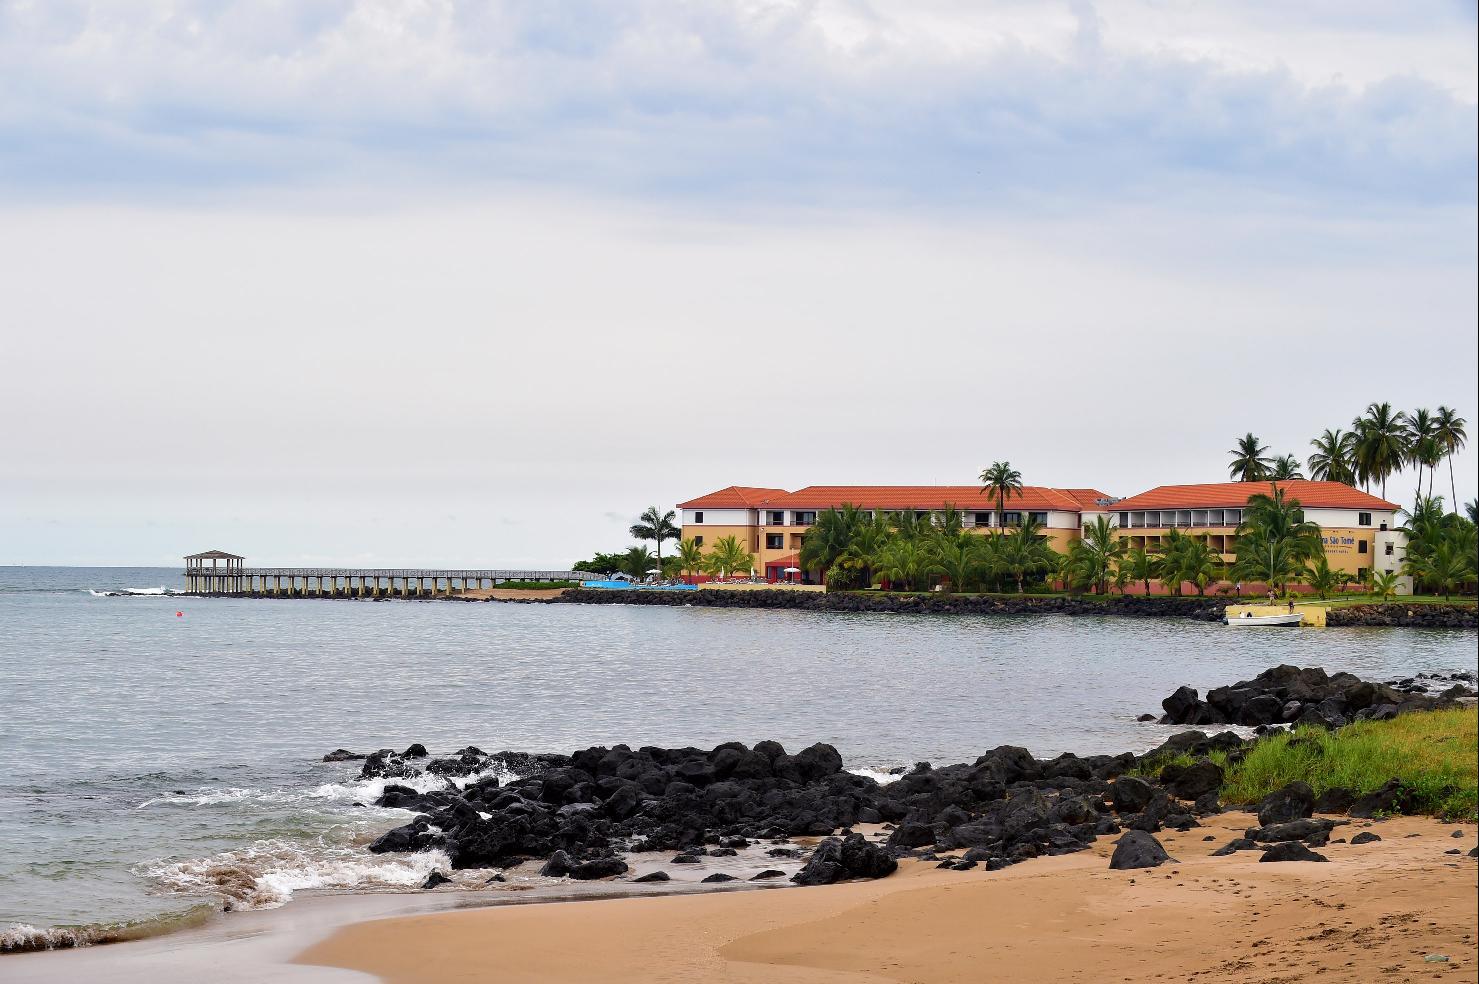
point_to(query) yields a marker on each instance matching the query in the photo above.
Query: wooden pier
(216, 572)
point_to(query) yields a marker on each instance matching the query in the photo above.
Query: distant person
(1238, 589)
(1291, 606)
(1271, 597)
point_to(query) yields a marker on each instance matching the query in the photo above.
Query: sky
(432, 282)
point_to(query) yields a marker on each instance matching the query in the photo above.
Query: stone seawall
(1198, 609)
(1411, 616)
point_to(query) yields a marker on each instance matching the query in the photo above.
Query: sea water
(160, 754)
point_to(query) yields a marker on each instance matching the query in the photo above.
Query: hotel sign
(1339, 543)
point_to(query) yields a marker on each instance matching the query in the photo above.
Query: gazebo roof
(214, 555)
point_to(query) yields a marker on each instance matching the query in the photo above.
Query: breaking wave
(23, 937)
(160, 591)
(266, 874)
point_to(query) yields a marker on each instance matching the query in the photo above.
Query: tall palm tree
(908, 525)
(1273, 561)
(950, 520)
(1249, 460)
(1420, 433)
(1332, 460)
(872, 535)
(1381, 444)
(1451, 435)
(1284, 468)
(654, 524)
(1003, 481)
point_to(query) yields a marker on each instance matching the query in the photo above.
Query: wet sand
(1373, 913)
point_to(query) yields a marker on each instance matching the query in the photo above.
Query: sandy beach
(1373, 913)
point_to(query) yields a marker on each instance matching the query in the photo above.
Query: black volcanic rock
(1137, 849)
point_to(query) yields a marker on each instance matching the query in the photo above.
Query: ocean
(162, 753)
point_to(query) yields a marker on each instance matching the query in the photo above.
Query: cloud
(736, 102)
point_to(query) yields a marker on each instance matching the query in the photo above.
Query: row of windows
(809, 517)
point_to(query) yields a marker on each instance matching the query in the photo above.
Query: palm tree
(654, 524)
(950, 520)
(872, 535)
(1097, 553)
(1472, 509)
(959, 558)
(1277, 517)
(1199, 564)
(909, 525)
(1384, 584)
(1423, 451)
(639, 562)
(1024, 552)
(690, 556)
(728, 556)
(1249, 460)
(1332, 460)
(1285, 468)
(1322, 578)
(1446, 568)
(1381, 444)
(1142, 566)
(1451, 435)
(1273, 561)
(907, 562)
(1002, 481)
(829, 537)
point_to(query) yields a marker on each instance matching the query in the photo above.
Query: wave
(160, 591)
(24, 937)
(364, 791)
(268, 873)
(877, 775)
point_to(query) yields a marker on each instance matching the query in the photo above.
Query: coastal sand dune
(1372, 914)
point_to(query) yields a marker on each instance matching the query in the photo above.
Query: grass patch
(1436, 753)
(1397, 601)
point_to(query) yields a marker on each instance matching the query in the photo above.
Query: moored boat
(1249, 620)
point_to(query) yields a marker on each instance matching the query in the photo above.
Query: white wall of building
(719, 517)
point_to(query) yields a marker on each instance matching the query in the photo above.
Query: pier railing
(355, 582)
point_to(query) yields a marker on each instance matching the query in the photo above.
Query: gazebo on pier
(214, 572)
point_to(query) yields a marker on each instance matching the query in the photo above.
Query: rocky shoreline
(579, 815)
(940, 603)
(1194, 608)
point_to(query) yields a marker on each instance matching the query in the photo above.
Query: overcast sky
(437, 282)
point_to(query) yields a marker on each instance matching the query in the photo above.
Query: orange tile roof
(734, 497)
(968, 498)
(1316, 495)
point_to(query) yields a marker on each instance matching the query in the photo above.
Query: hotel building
(1359, 529)
(773, 523)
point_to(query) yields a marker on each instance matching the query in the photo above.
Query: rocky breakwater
(581, 814)
(1406, 616)
(938, 603)
(1293, 695)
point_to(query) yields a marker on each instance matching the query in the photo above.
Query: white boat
(1247, 619)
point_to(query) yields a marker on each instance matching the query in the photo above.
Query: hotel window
(1152, 519)
(698, 517)
(983, 519)
(1389, 550)
(1125, 520)
(1214, 517)
(777, 518)
(1232, 517)
(698, 541)
(1361, 547)
(775, 541)
(1040, 518)
(1011, 519)
(805, 518)
(1363, 519)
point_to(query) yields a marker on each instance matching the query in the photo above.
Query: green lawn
(1434, 752)
(1347, 601)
